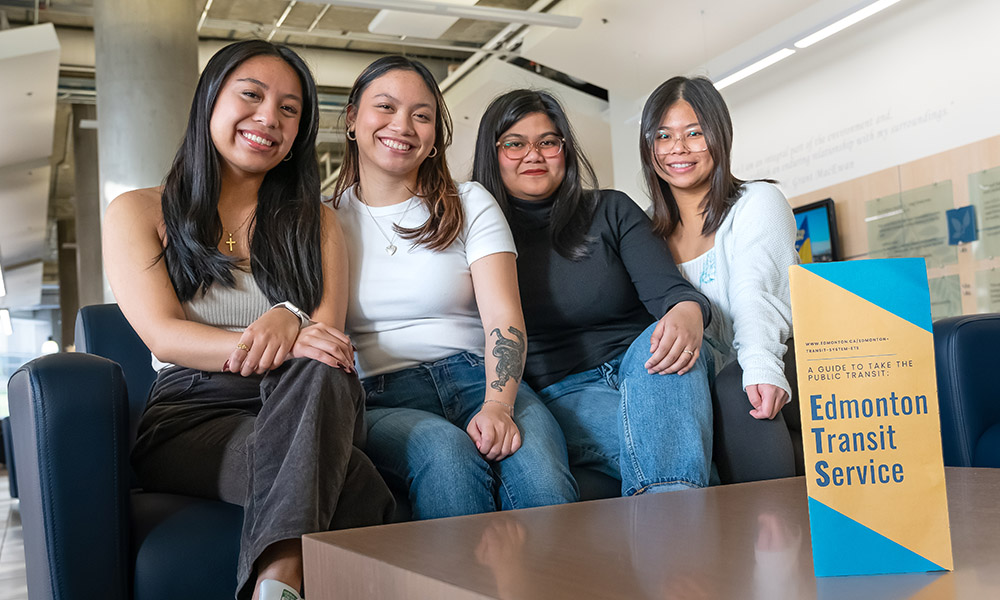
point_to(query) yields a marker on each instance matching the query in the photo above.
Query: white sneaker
(272, 589)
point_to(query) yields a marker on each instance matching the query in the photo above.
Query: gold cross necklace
(231, 242)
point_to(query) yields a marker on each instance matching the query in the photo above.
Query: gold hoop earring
(434, 152)
(354, 138)
(288, 157)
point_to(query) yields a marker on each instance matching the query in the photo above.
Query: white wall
(917, 81)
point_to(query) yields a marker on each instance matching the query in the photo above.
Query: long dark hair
(717, 125)
(285, 252)
(435, 187)
(575, 198)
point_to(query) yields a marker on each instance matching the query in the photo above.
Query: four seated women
(242, 285)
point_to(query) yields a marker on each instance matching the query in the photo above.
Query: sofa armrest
(69, 416)
(965, 352)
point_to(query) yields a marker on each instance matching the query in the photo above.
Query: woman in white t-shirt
(435, 313)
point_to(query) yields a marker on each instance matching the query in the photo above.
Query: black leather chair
(87, 532)
(966, 350)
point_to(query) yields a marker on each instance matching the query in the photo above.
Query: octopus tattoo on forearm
(509, 353)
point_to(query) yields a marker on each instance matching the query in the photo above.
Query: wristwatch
(295, 310)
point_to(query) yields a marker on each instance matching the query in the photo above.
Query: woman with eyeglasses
(614, 331)
(434, 312)
(734, 240)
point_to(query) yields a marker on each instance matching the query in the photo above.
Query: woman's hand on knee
(767, 400)
(326, 344)
(494, 432)
(675, 343)
(265, 344)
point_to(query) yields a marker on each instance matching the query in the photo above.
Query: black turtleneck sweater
(581, 314)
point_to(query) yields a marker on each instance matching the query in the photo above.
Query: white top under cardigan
(745, 276)
(417, 305)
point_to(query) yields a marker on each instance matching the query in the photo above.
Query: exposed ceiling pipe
(355, 36)
(319, 17)
(281, 19)
(478, 13)
(331, 68)
(491, 47)
(204, 15)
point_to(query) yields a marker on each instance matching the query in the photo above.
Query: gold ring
(242, 346)
(687, 352)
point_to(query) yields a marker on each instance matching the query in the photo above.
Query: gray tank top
(232, 309)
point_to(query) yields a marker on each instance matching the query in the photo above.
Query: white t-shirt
(417, 305)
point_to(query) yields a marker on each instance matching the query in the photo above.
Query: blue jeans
(654, 432)
(416, 437)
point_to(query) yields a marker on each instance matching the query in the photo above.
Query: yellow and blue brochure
(871, 433)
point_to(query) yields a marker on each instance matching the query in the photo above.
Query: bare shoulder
(331, 222)
(136, 209)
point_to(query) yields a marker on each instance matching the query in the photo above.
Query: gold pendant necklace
(231, 242)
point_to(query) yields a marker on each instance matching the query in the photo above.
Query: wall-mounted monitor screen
(816, 239)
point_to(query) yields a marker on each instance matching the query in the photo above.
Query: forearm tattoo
(510, 357)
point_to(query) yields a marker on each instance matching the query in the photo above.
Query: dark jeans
(748, 449)
(285, 446)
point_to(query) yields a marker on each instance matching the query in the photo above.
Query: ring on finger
(686, 351)
(242, 346)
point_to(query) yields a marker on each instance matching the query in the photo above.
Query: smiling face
(687, 172)
(394, 121)
(533, 177)
(256, 116)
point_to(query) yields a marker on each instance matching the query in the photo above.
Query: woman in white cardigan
(734, 240)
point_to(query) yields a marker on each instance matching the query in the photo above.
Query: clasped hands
(276, 337)
(494, 432)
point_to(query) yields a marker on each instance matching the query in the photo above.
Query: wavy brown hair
(435, 186)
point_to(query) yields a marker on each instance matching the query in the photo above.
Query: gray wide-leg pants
(286, 446)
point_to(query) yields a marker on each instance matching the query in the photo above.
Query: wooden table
(738, 541)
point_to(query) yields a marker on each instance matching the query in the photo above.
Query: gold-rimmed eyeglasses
(516, 148)
(664, 141)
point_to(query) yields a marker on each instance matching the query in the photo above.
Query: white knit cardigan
(752, 314)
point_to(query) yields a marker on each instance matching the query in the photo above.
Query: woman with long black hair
(235, 278)
(614, 331)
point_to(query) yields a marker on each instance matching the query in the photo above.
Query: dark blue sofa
(967, 350)
(87, 532)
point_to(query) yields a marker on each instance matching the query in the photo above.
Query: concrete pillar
(89, 271)
(146, 72)
(69, 302)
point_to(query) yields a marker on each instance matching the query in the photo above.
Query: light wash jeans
(654, 432)
(416, 437)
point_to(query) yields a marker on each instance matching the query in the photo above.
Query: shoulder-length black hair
(285, 251)
(575, 198)
(717, 125)
(435, 187)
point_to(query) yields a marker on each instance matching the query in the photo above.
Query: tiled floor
(13, 585)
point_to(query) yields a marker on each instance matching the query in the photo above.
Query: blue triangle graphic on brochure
(842, 546)
(898, 285)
